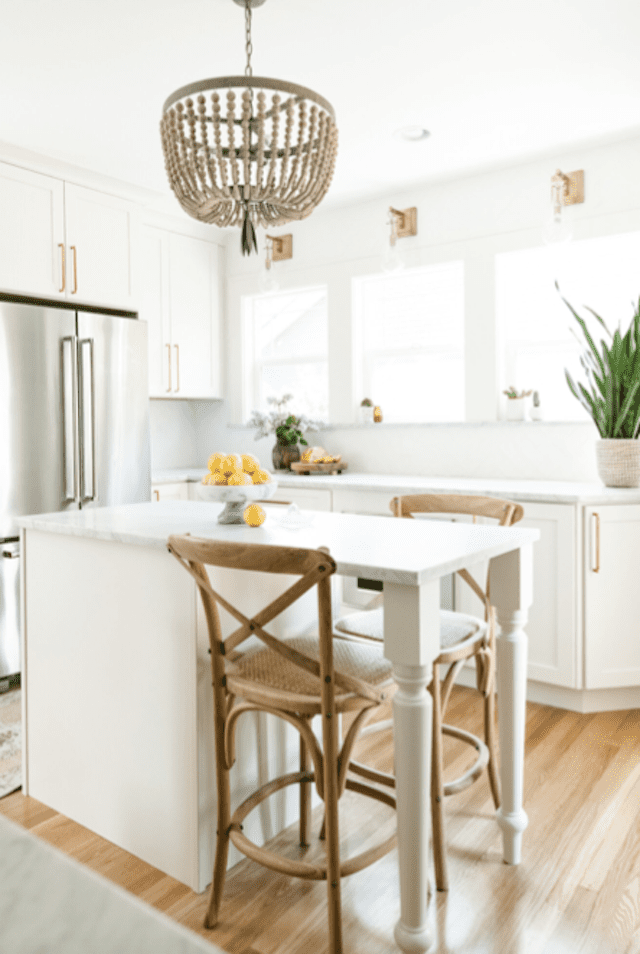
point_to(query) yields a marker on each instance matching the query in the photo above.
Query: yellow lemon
(260, 477)
(254, 515)
(214, 462)
(231, 464)
(238, 480)
(218, 478)
(205, 479)
(250, 463)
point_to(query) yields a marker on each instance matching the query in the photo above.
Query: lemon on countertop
(254, 515)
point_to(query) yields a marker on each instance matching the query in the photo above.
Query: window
(411, 327)
(287, 350)
(537, 328)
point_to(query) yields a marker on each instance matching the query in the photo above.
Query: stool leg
(222, 847)
(490, 739)
(437, 787)
(305, 797)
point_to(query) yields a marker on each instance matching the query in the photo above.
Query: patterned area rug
(10, 742)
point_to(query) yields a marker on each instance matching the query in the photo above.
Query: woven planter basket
(619, 462)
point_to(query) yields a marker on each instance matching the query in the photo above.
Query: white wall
(473, 219)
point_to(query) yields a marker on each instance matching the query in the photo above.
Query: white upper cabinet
(101, 238)
(32, 239)
(180, 300)
(59, 240)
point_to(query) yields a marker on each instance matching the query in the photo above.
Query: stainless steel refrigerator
(74, 427)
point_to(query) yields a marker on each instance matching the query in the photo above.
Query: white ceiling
(493, 80)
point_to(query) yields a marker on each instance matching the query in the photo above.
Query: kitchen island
(118, 702)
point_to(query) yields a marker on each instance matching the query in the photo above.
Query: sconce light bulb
(557, 231)
(267, 280)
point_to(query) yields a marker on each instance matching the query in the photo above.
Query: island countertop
(362, 545)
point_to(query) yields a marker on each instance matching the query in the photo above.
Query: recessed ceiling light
(412, 133)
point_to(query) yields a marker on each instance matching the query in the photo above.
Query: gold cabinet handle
(157, 493)
(168, 347)
(75, 270)
(596, 568)
(177, 347)
(64, 266)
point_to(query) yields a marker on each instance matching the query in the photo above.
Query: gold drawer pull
(64, 266)
(596, 568)
(75, 270)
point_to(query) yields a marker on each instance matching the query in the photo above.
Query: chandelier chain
(247, 30)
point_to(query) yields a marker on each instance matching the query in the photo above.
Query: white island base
(119, 704)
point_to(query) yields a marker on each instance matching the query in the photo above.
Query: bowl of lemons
(237, 480)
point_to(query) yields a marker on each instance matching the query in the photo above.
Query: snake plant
(612, 392)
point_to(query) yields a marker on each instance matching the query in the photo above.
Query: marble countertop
(50, 902)
(395, 551)
(543, 491)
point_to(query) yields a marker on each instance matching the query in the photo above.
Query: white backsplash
(185, 433)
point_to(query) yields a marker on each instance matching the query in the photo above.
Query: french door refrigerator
(74, 427)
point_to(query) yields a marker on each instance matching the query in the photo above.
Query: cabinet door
(31, 233)
(552, 627)
(177, 491)
(154, 308)
(612, 596)
(194, 305)
(101, 235)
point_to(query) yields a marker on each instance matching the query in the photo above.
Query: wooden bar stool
(462, 637)
(294, 678)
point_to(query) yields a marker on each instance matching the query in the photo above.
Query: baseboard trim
(576, 700)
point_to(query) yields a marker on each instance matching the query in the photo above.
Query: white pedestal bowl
(236, 498)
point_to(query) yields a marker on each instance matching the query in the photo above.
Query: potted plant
(516, 404)
(366, 411)
(612, 398)
(289, 430)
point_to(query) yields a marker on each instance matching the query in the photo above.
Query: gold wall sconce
(402, 224)
(566, 189)
(279, 248)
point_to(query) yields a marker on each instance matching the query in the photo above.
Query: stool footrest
(468, 778)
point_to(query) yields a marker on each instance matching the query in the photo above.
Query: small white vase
(618, 461)
(366, 414)
(516, 409)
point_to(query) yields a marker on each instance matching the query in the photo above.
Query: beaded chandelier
(265, 160)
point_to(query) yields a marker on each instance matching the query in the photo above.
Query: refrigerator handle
(70, 419)
(86, 387)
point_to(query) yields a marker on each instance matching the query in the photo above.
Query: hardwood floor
(577, 890)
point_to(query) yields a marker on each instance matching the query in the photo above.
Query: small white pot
(366, 414)
(516, 409)
(618, 461)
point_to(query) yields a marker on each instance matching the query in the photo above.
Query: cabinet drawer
(305, 499)
(375, 502)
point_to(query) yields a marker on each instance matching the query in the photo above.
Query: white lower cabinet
(611, 565)
(177, 491)
(554, 641)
